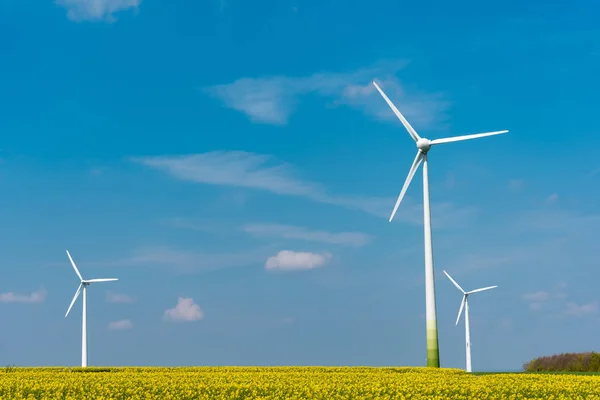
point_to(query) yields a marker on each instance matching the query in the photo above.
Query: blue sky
(231, 163)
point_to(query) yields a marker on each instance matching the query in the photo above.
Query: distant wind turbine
(423, 146)
(84, 284)
(465, 304)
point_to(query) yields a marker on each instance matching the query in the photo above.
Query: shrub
(565, 362)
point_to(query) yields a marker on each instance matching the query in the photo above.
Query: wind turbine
(423, 147)
(465, 304)
(84, 284)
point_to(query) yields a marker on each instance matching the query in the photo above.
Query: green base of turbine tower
(433, 351)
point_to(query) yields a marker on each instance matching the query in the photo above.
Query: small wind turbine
(423, 146)
(84, 284)
(465, 304)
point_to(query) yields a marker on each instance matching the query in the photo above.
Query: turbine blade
(74, 266)
(453, 281)
(462, 305)
(465, 137)
(482, 289)
(411, 173)
(408, 127)
(101, 280)
(74, 298)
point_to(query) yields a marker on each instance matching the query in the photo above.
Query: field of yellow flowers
(327, 383)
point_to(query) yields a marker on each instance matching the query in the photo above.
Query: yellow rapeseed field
(327, 383)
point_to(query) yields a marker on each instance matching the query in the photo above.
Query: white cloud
(537, 299)
(575, 310)
(185, 311)
(119, 298)
(296, 232)
(263, 172)
(287, 260)
(537, 296)
(35, 297)
(233, 168)
(271, 100)
(120, 325)
(96, 10)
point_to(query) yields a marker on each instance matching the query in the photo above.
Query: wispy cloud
(272, 99)
(190, 262)
(556, 300)
(119, 298)
(264, 172)
(575, 310)
(34, 297)
(536, 299)
(254, 171)
(297, 232)
(287, 260)
(184, 311)
(121, 325)
(96, 10)
(233, 168)
(537, 296)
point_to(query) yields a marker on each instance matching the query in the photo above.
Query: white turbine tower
(423, 146)
(84, 284)
(465, 304)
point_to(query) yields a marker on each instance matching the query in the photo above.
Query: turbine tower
(465, 304)
(423, 147)
(84, 283)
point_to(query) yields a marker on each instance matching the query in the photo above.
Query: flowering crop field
(327, 383)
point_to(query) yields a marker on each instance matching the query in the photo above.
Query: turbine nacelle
(423, 145)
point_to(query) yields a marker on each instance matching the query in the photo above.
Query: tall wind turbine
(423, 147)
(465, 304)
(84, 284)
